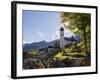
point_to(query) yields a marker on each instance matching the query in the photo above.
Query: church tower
(62, 38)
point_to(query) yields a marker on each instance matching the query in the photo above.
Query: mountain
(38, 45)
(44, 44)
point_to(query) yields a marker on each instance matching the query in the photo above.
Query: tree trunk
(84, 33)
(85, 42)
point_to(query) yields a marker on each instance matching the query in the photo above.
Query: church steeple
(62, 38)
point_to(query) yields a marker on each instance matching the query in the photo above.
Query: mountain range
(38, 45)
(42, 44)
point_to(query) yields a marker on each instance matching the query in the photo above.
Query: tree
(32, 51)
(79, 23)
(26, 55)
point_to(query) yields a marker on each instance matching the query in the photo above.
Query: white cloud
(27, 42)
(57, 33)
(54, 36)
(40, 33)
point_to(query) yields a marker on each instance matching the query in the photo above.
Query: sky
(41, 25)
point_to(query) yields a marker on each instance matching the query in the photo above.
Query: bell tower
(62, 38)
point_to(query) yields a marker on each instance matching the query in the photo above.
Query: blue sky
(40, 25)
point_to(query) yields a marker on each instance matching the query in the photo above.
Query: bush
(79, 55)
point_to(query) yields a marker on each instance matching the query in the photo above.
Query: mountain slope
(38, 45)
(42, 44)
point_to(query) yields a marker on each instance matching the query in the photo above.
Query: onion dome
(61, 29)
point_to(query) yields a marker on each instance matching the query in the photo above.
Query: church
(65, 40)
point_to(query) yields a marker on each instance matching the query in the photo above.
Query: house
(50, 48)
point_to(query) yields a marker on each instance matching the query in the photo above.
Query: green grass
(67, 54)
(61, 57)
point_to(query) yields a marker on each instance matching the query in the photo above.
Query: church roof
(61, 29)
(70, 39)
(73, 39)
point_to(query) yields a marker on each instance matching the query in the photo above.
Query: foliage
(79, 23)
(26, 55)
(32, 51)
(29, 54)
(61, 57)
